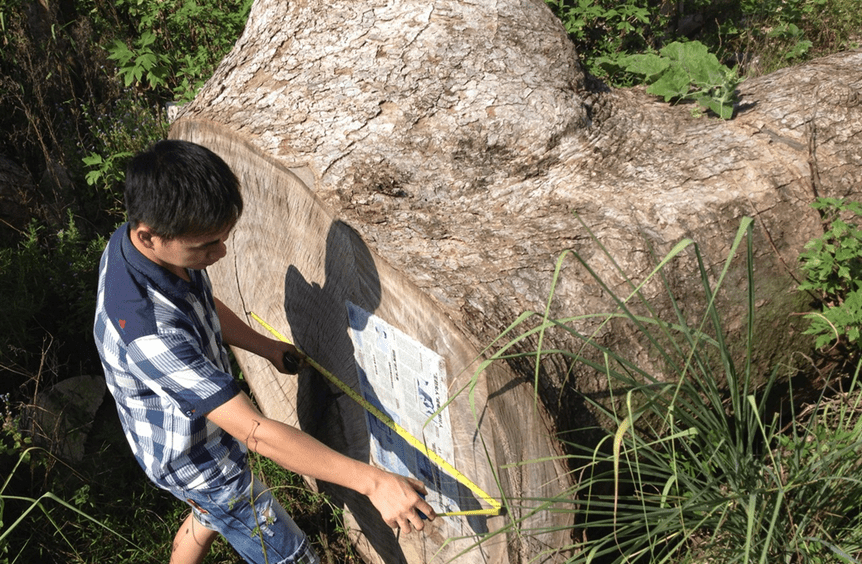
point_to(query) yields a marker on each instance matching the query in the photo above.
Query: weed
(832, 264)
(691, 470)
(605, 31)
(127, 127)
(761, 35)
(176, 44)
(48, 283)
(687, 71)
(141, 65)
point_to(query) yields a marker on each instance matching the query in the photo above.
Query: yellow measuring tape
(496, 507)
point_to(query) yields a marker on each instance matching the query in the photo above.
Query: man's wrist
(275, 351)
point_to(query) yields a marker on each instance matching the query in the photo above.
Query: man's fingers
(293, 361)
(419, 524)
(291, 364)
(417, 485)
(401, 502)
(427, 510)
(401, 525)
(411, 523)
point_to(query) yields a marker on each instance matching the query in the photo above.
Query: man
(161, 336)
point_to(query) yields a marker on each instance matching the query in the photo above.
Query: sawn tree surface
(430, 161)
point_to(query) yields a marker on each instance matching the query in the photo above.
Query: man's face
(195, 252)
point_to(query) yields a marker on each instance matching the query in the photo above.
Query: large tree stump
(425, 162)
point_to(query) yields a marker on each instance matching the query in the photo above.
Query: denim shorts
(252, 521)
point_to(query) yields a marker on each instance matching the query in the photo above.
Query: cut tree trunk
(427, 162)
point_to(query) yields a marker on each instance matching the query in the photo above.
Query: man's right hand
(399, 502)
(286, 358)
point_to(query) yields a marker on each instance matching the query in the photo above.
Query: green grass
(697, 464)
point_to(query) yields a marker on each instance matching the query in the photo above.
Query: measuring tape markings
(496, 506)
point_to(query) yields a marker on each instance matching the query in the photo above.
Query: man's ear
(144, 235)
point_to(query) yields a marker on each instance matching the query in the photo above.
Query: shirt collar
(168, 282)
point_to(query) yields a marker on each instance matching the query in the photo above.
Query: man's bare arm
(237, 333)
(395, 497)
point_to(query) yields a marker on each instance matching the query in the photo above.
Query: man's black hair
(178, 188)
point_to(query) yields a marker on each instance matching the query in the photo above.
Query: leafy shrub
(799, 46)
(686, 71)
(761, 35)
(176, 44)
(604, 31)
(125, 128)
(781, 32)
(623, 43)
(141, 64)
(832, 264)
(48, 285)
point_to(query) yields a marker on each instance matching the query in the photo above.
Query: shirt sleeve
(175, 368)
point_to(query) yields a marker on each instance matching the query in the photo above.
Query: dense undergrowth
(83, 85)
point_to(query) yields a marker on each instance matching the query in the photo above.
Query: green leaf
(649, 65)
(722, 110)
(93, 160)
(833, 267)
(120, 52)
(682, 52)
(147, 38)
(147, 60)
(673, 83)
(799, 50)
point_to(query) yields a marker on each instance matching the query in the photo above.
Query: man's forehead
(210, 237)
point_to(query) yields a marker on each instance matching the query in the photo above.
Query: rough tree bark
(426, 161)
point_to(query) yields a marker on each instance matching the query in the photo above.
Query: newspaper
(406, 381)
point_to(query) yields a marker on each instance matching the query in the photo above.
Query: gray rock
(62, 415)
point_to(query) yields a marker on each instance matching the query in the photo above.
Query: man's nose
(220, 251)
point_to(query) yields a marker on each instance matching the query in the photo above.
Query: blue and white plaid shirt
(161, 347)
